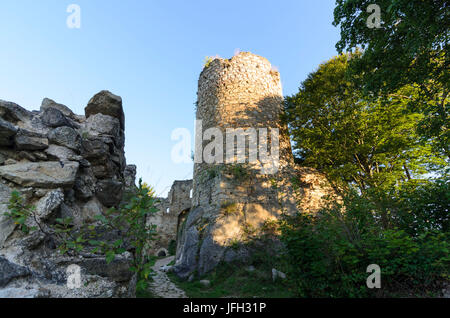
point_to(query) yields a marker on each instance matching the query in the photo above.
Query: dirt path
(161, 285)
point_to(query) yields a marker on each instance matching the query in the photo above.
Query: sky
(151, 54)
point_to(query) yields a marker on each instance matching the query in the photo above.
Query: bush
(330, 252)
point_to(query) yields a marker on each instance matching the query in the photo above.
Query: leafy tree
(129, 221)
(353, 138)
(410, 48)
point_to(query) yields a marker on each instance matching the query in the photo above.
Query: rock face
(232, 203)
(170, 216)
(48, 174)
(65, 165)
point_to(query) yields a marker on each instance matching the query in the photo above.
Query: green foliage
(329, 253)
(354, 138)
(410, 48)
(19, 212)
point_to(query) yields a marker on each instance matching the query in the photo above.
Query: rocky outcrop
(65, 165)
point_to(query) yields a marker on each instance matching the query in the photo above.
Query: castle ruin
(233, 203)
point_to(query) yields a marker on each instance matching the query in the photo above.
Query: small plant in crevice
(239, 172)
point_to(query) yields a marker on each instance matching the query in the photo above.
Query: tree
(356, 139)
(410, 48)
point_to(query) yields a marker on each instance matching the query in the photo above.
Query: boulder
(66, 137)
(48, 175)
(129, 175)
(26, 140)
(94, 149)
(62, 153)
(7, 131)
(23, 293)
(90, 210)
(109, 192)
(10, 271)
(53, 117)
(47, 205)
(106, 103)
(7, 226)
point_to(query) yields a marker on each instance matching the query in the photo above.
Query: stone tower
(233, 202)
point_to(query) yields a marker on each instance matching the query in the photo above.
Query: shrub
(329, 253)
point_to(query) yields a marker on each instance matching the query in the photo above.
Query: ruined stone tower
(233, 202)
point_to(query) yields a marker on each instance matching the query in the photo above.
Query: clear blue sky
(151, 54)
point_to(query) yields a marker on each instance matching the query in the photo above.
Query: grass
(235, 280)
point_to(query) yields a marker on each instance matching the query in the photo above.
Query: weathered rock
(7, 131)
(53, 117)
(206, 283)
(243, 91)
(48, 205)
(61, 181)
(14, 113)
(67, 137)
(7, 226)
(106, 103)
(90, 210)
(23, 293)
(10, 161)
(10, 271)
(26, 140)
(109, 192)
(48, 175)
(49, 103)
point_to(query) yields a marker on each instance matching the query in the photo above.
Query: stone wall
(67, 166)
(171, 211)
(232, 203)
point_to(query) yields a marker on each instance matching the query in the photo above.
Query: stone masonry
(233, 202)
